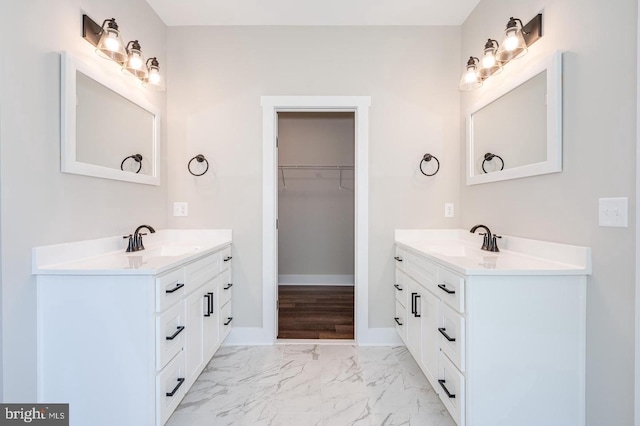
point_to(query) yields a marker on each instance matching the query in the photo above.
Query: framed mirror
(516, 131)
(108, 129)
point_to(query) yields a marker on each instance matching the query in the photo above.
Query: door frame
(271, 106)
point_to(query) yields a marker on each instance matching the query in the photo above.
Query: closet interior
(316, 200)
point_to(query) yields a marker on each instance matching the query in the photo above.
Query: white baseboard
(338, 280)
(257, 336)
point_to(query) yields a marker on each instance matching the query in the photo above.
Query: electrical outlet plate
(448, 210)
(613, 212)
(180, 208)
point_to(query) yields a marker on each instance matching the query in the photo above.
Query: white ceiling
(313, 12)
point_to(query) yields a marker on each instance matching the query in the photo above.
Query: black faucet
(135, 240)
(489, 242)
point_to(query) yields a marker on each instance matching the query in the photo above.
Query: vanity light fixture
(490, 65)
(135, 64)
(470, 79)
(106, 38)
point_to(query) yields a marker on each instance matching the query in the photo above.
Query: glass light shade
(489, 65)
(470, 79)
(513, 46)
(110, 45)
(154, 78)
(135, 63)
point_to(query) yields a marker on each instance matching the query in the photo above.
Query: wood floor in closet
(315, 312)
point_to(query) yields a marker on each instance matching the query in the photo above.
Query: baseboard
(334, 280)
(257, 336)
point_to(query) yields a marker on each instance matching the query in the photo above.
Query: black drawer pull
(208, 296)
(174, 335)
(228, 286)
(449, 394)
(173, 392)
(210, 302)
(413, 303)
(444, 288)
(229, 319)
(176, 288)
(398, 258)
(228, 258)
(416, 314)
(398, 320)
(444, 333)
(398, 287)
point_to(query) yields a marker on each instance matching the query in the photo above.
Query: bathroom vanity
(122, 336)
(500, 336)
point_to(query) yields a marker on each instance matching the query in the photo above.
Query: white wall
(40, 205)
(315, 215)
(216, 78)
(600, 77)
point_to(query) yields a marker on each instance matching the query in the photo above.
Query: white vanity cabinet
(123, 348)
(500, 337)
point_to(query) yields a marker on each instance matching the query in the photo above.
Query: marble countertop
(164, 250)
(459, 250)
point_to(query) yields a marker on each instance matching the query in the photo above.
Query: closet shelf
(284, 167)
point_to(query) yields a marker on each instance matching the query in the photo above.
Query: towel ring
(489, 157)
(137, 158)
(427, 158)
(199, 158)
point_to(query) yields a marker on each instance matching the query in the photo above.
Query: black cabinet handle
(176, 288)
(398, 320)
(444, 333)
(413, 303)
(208, 296)
(449, 394)
(444, 288)
(398, 287)
(173, 392)
(228, 258)
(398, 258)
(416, 314)
(228, 320)
(210, 302)
(174, 335)
(228, 286)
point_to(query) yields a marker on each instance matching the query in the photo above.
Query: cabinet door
(430, 337)
(196, 308)
(211, 317)
(414, 320)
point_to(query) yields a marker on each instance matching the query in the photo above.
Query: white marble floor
(319, 385)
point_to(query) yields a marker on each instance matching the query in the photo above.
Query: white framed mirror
(516, 130)
(108, 130)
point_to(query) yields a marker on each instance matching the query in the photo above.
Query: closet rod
(309, 167)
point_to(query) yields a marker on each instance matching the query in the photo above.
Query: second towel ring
(199, 158)
(488, 157)
(426, 158)
(137, 158)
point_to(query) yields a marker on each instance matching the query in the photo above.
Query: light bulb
(511, 41)
(488, 61)
(154, 77)
(111, 43)
(470, 76)
(135, 62)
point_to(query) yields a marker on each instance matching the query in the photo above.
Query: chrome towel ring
(489, 157)
(137, 158)
(199, 158)
(425, 159)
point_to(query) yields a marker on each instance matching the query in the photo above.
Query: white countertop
(164, 250)
(459, 250)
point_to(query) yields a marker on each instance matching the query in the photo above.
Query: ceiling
(313, 12)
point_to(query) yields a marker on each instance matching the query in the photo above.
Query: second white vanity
(500, 336)
(123, 336)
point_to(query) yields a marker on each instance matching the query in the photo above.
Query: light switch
(614, 212)
(181, 208)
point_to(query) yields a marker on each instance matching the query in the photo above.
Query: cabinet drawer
(400, 287)
(226, 319)
(225, 258)
(452, 335)
(170, 388)
(451, 389)
(451, 289)
(400, 321)
(170, 334)
(423, 271)
(170, 289)
(226, 287)
(201, 271)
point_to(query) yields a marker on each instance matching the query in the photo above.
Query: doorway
(316, 221)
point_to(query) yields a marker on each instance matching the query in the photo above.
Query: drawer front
(170, 334)
(225, 258)
(400, 320)
(170, 388)
(202, 271)
(400, 287)
(422, 270)
(226, 320)
(450, 289)
(226, 287)
(170, 289)
(452, 335)
(451, 389)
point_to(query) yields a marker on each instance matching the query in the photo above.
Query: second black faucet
(135, 240)
(489, 242)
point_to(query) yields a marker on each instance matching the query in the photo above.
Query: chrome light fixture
(489, 65)
(470, 79)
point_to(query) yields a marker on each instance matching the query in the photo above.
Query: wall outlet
(448, 210)
(613, 212)
(181, 208)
